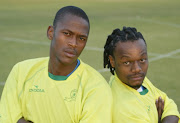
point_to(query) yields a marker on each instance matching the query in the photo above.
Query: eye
(126, 63)
(82, 39)
(142, 60)
(66, 33)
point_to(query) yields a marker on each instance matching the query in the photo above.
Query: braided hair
(127, 34)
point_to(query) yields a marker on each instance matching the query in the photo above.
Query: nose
(73, 42)
(136, 68)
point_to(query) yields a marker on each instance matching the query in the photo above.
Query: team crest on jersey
(72, 96)
(36, 89)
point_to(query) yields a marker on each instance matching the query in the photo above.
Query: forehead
(130, 48)
(72, 22)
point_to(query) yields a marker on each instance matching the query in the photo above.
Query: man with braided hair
(135, 98)
(60, 88)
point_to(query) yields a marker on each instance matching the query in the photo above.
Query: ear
(112, 61)
(50, 32)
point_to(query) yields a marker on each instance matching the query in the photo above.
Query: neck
(57, 68)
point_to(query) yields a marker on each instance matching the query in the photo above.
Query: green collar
(144, 92)
(56, 77)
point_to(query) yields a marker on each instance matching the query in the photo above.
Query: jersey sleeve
(170, 108)
(97, 106)
(10, 110)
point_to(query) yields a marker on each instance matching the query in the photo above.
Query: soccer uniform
(130, 106)
(33, 93)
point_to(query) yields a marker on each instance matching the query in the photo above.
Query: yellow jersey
(29, 92)
(129, 106)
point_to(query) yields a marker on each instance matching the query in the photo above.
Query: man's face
(69, 39)
(130, 62)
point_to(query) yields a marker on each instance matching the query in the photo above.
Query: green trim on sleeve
(56, 77)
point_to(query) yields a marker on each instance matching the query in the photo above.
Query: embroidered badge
(72, 96)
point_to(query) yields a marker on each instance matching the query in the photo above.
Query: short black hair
(127, 34)
(70, 10)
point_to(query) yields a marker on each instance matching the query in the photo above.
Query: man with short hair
(60, 88)
(135, 98)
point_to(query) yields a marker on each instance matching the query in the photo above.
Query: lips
(137, 77)
(70, 53)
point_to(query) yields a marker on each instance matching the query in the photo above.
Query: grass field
(23, 25)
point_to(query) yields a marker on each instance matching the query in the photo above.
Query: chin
(136, 85)
(69, 61)
(66, 60)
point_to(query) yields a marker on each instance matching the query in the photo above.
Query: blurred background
(23, 26)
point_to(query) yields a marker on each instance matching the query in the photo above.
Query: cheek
(122, 75)
(60, 38)
(82, 43)
(57, 47)
(145, 67)
(121, 70)
(60, 41)
(80, 47)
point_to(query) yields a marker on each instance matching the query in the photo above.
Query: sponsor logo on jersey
(36, 89)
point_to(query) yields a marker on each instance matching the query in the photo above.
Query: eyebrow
(126, 56)
(143, 53)
(73, 33)
(67, 30)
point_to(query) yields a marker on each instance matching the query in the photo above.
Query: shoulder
(92, 78)
(28, 64)
(91, 72)
(111, 81)
(148, 84)
(156, 92)
(118, 88)
(33, 61)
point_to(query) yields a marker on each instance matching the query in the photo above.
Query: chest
(140, 107)
(44, 100)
